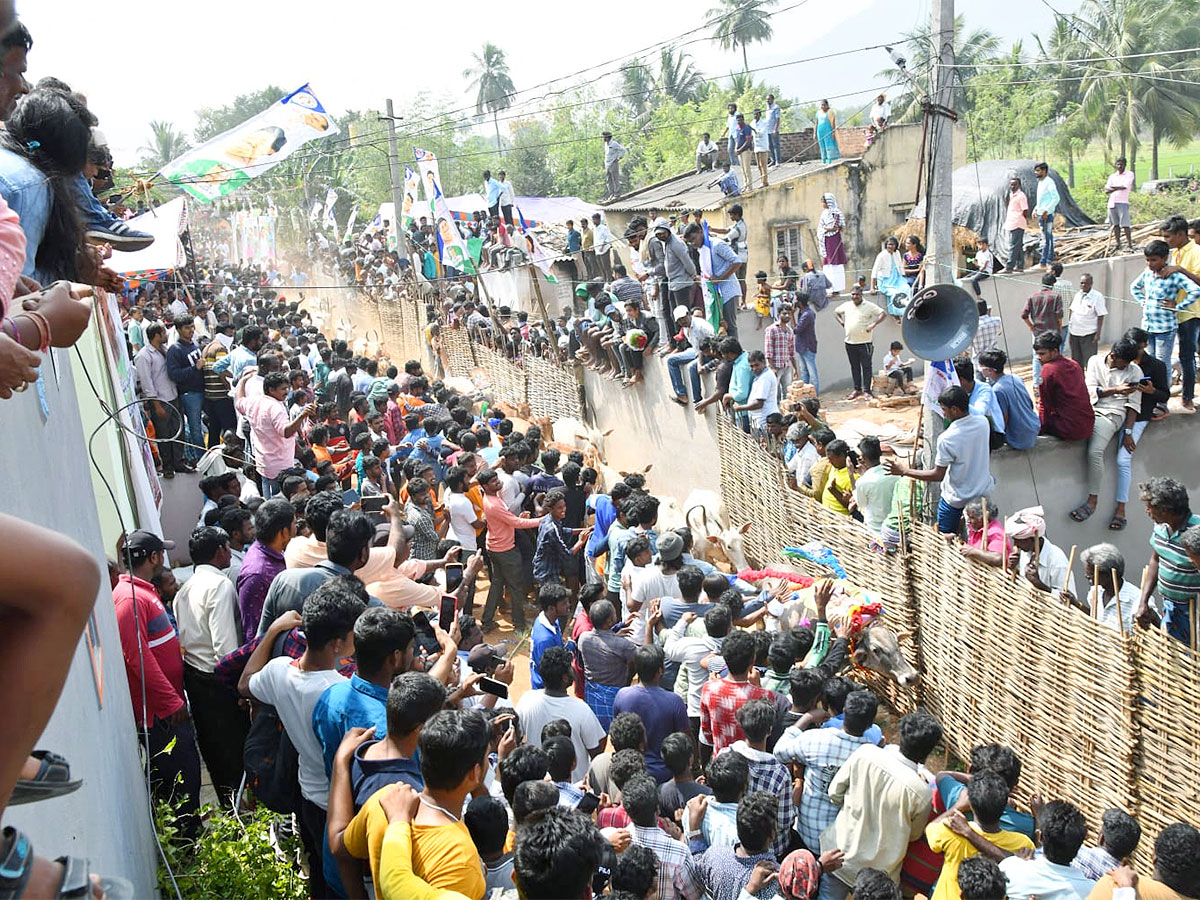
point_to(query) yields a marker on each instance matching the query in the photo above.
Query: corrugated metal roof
(692, 190)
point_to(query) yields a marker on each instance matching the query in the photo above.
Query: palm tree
(493, 87)
(970, 49)
(1055, 55)
(637, 87)
(165, 145)
(1121, 97)
(677, 77)
(740, 23)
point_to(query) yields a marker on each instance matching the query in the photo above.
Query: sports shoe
(122, 237)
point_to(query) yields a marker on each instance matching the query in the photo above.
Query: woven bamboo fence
(458, 351)
(1098, 718)
(552, 389)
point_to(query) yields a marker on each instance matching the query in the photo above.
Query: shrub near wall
(1099, 718)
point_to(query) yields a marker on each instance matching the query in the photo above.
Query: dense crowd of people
(322, 655)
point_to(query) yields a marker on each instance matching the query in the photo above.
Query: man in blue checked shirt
(1047, 203)
(492, 191)
(1162, 290)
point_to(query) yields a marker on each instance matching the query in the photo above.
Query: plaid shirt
(1043, 310)
(230, 667)
(568, 794)
(719, 703)
(1095, 862)
(822, 752)
(987, 335)
(1150, 291)
(677, 876)
(779, 346)
(770, 775)
(393, 423)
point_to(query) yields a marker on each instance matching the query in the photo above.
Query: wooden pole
(983, 538)
(537, 291)
(1192, 625)
(1117, 598)
(1070, 566)
(1096, 589)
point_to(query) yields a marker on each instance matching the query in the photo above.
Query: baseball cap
(670, 546)
(484, 656)
(581, 290)
(141, 544)
(682, 312)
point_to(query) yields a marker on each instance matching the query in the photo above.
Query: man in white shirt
(1113, 596)
(881, 111)
(873, 488)
(1087, 318)
(1051, 876)
(762, 143)
(206, 612)
(293, 687)
(603, 239)
(692, 322)
(508, 199)
(692, 652)
(706, 153)
(537, 708)
(463, 517)
(1043, 564)
(764, 393)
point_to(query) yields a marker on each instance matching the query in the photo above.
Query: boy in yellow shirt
(950, 833)
(839, 487)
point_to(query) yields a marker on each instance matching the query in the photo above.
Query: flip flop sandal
(16, 864)
(53, 779)
(679, 400)
(1081, 513)
(1117, 523)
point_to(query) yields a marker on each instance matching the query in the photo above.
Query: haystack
(965, 240)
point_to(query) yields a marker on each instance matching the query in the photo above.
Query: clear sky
(165, 60)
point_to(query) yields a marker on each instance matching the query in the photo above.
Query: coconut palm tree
(165, 145)
(740, 23)
(1121, 97)
(493, 87)
(637, 87)
(970, 49)
(678, 78)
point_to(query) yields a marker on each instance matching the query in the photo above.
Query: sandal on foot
(682, 401)
(1117, 523)
(1082, 513)
(53, 779)
(16, 866)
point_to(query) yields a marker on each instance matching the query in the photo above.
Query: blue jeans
(1125, 462)
(949, 518)
(832, 888)
(806, 361)
(193, 425)
(676, 362)
(1037, 369)
(1176, 619)
(693, 371)
(1047, 240)
(733, 159)
(270, 487)
(91, 211)
(1189, 332)
(1162, 345)
(774, 145)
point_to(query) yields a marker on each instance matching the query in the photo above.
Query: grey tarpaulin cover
(980, 193)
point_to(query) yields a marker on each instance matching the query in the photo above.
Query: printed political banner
(412, 190)
(224, 164)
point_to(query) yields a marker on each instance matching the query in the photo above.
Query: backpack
(272, 763)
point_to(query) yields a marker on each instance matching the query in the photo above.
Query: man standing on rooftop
(612, 165)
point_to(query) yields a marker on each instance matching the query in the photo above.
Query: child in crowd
(762, 299)
(899, 371)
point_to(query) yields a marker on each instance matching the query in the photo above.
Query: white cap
(682, 312)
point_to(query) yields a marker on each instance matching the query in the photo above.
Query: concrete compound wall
(47, 481)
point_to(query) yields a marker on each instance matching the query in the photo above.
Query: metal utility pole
(397, 184)
(940, 261)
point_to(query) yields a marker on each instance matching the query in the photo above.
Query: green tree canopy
(213, 120)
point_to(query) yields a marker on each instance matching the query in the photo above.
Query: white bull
(576, 434)
(712, 538)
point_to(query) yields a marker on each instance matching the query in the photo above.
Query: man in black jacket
(186, 369)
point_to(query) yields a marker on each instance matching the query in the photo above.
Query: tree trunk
(1154, 138)
(745, 59)
(1070, 167)
(496, 123)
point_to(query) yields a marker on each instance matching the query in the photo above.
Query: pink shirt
(997, 542)
(12, 254)
(1124, 182)
(502, 523)
(273, 452)
(1018, 205)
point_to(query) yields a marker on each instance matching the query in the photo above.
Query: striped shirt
(677, 876)
(1154, 293)
(779, 346)
(1178, 578)
(770, 775)
(568, 794)
(987, 335)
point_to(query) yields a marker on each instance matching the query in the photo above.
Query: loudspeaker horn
(940, 322)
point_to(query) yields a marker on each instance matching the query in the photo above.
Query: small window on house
(789, 243)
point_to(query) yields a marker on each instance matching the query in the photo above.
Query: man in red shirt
(154, 666)
(720, 700)
(1064, 405)
(507, 569)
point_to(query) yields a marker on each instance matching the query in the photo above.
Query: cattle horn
(940, 322)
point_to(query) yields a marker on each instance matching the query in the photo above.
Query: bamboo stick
(1117, 598)
(1070, 566)
(1096, 589)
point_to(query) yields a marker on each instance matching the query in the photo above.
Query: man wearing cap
(695, 328)
(154, 668)
(655, 581)
(612, 164)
